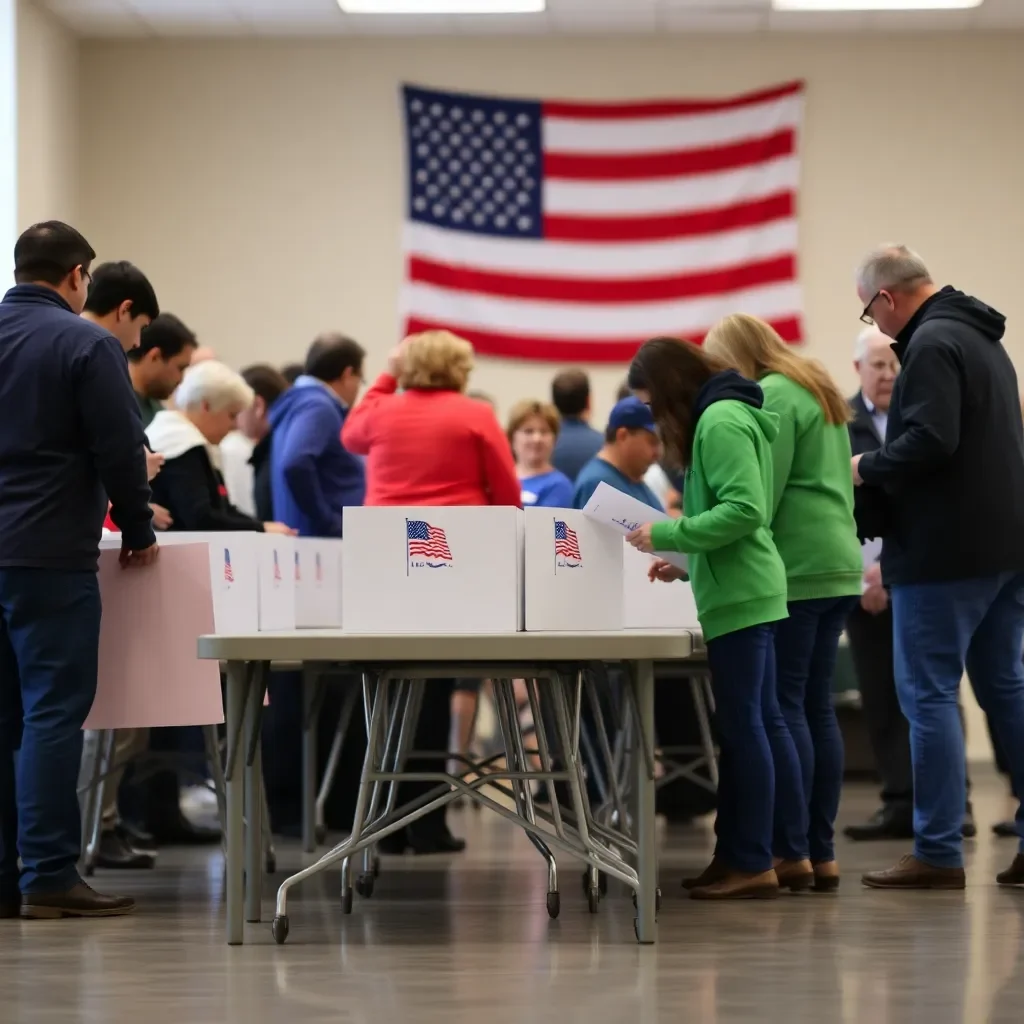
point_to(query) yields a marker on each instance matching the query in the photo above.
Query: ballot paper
(624, 514)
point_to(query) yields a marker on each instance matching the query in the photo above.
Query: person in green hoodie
(713, 426)
(813, 527)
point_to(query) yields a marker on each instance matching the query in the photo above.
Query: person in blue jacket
(313, 476)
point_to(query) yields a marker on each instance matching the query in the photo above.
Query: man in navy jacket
(70, 439)
(313, 477)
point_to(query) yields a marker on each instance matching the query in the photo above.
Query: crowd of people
(803, 515)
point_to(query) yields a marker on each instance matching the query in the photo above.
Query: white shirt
(235, 451)
(879, 418)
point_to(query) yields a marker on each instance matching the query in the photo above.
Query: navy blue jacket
(313, 476)
(70, 436)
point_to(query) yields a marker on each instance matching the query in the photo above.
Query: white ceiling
(324, 17)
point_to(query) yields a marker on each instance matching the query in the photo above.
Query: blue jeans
(805, 662)
(743, 679)
(49, 649)
(938, 628)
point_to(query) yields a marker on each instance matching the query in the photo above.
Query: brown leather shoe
(1014, 874)
(826, 876)
(714, 872)
(79, 901)
(912, 873)
(737, 885)
(794, 875)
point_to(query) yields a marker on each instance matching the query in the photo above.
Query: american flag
(229, 573)
(319, 569)
(426, 541)
(277, 568)
(298, 571)
(575, 231)
(566, 542)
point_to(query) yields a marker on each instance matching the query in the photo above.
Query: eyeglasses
(866, 317)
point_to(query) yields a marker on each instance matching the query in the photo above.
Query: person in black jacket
(70, 441)
(209, 401)
(952, 474)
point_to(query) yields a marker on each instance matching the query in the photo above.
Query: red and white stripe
(659, 218)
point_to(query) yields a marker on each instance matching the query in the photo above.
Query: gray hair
(215, 384)
(863, 342)
(892, 268)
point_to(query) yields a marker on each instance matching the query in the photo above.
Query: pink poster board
(149, 672)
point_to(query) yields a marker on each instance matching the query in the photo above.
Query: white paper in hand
(624, 514)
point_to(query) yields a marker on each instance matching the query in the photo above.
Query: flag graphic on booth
(319, 568)
(567, 546)
(573, 231)
(229, 573)
(427, 544)
(298, 571)
(277, 567)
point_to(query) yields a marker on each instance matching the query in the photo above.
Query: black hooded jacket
(952, 466)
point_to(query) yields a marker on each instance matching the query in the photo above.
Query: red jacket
(430, 448)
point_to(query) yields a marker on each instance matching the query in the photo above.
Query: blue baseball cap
(632, 414)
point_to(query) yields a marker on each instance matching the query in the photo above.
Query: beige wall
(48, 92)
(261, 183)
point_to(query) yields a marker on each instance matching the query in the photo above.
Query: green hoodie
(812, 495)
(738, 577)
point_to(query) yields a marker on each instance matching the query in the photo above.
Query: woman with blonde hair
(813, 528)
(430, 444)
(532, 432)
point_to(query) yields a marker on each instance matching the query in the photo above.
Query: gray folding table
(557, 658)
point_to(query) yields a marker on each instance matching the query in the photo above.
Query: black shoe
(137, 838)
(968, 829)
(886, 823)
(177, 830)
(79, 901)
(1006, 829)
(117, 855)
(10, 905)
(421, 844)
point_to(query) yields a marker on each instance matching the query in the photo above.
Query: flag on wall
(573, 232)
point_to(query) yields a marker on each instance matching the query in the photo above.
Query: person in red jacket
(430, 444)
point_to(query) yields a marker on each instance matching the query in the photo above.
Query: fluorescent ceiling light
(442, 6)
(873, 5)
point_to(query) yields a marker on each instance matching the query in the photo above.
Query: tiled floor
(469, 940)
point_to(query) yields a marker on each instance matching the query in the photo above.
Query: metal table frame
(539, 656)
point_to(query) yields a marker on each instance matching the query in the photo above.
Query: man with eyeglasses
(70, 438)
(952, 473)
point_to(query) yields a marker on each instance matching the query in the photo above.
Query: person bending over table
(430, 444)
(712, 423)
(209, 401)
(813, 528)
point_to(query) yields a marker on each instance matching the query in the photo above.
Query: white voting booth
(275, 570)
(656, 605)
(432, 570)
(317, 577)
(573, 572)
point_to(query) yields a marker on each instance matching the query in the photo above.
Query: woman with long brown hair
(813, 528)
(712, 425)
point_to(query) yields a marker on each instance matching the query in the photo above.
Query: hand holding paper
(625, 514)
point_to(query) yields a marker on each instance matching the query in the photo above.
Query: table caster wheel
(554, 905)
(376, 867)
(593, 899)
(279, 929)
(270, 864)
(364, 885)
(346, 901)
(320, 834)
(602, 883)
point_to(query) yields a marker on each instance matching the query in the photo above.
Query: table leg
(309, 787)
(643, 785)
(253, 814)
(237, 683)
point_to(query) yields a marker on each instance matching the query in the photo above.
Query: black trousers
(871, 647)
